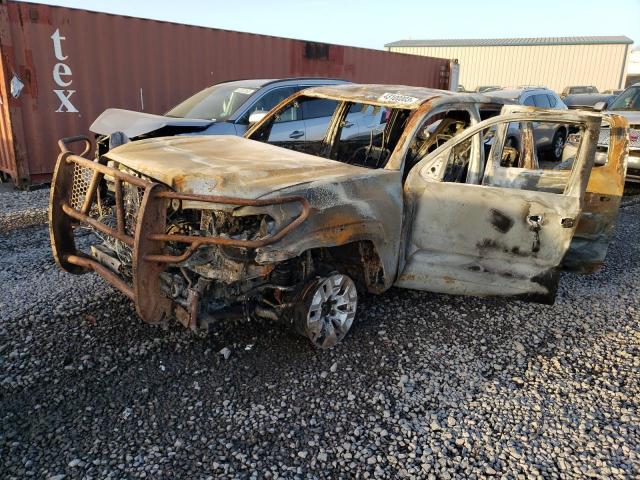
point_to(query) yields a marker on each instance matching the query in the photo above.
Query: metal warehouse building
(553, 62)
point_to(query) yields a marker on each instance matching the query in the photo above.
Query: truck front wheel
(326, 309)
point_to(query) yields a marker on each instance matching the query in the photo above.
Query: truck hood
(632, 116)
(228, 165)
(133, 124)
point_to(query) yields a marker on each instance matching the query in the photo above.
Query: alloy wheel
(329, 309)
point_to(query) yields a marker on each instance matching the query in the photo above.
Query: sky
(372, 23)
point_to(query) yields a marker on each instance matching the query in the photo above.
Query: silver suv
(227, 108)
(549, 138)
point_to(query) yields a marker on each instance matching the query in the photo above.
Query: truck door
(505, 236)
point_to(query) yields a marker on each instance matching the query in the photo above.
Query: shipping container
(62, 67)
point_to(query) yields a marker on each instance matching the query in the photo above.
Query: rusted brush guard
(72, 196)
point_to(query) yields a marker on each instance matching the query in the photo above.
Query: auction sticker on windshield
(244, 91)
(397, 98)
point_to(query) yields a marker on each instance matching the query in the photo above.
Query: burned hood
(133, 124)
(228, 165)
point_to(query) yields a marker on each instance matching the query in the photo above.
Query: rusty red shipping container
(62, 67)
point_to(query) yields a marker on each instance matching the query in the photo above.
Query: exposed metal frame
(148, 243)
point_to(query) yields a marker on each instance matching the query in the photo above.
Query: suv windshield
(218, 102)
(627, 100)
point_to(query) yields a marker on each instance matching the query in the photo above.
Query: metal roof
(397, 96)
(513, 42)
(392, 96)
(263, 82)
(510, 93)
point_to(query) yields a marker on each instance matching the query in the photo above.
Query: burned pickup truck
(272, 226)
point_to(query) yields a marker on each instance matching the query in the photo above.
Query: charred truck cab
(272, 226)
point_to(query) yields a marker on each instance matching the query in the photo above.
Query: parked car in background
(205, 228)
(613, 91)
(588, 101)
(223, 109)
(578, 89)
(627, 104)
(549, 138)
(487, 88)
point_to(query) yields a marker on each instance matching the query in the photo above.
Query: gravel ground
(425, 385)
(20, 209)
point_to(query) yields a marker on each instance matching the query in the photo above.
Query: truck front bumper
(73, 203)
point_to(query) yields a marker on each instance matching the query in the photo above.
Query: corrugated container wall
(62, 67)
(555, 66)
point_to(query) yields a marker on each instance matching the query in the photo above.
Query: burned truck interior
(370, 150)
(374, 148)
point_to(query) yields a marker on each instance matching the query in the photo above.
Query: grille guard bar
(149, 258)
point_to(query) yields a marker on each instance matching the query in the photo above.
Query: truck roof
(394, 96)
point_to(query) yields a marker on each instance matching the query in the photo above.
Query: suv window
(360, 108)
(267, 102)
(552, 100)
(529, 102)
(541, 101)
(318, 108)
(292, 113)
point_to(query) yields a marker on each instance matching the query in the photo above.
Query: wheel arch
(362, 243)
(360, 260)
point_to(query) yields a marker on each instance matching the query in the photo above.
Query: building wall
(555, 66)
(633, 68)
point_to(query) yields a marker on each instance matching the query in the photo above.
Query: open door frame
(493, 240)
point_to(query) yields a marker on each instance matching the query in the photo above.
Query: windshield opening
(218, 102)
(355, 133)
(627, 100)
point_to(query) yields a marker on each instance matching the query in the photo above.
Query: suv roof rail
(270, 81)
(287, 79)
